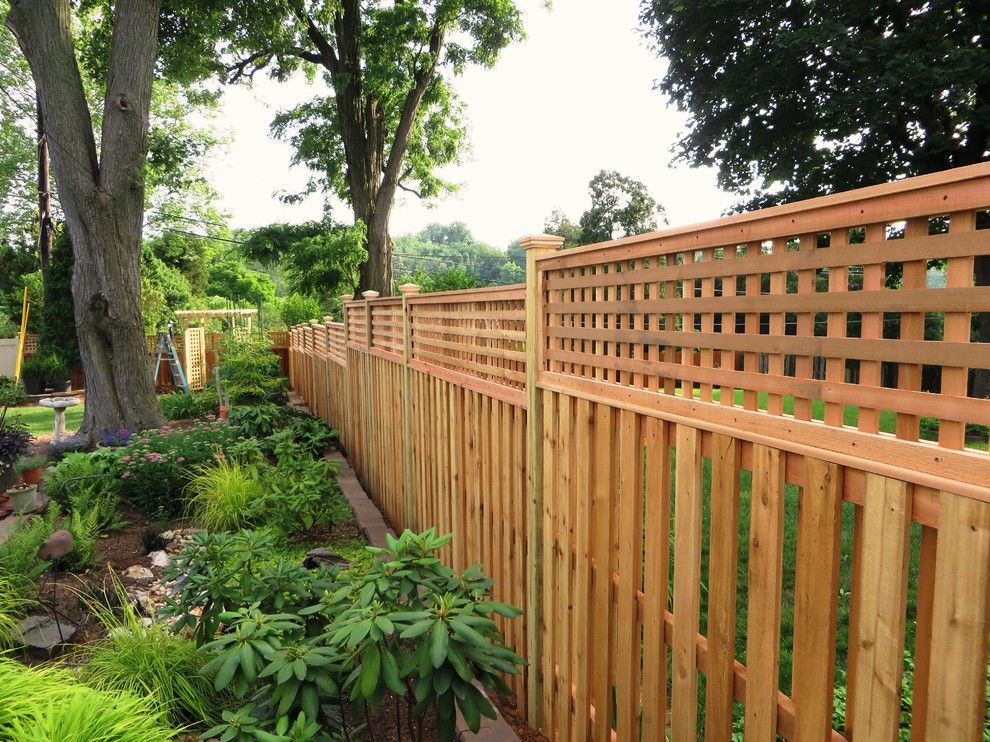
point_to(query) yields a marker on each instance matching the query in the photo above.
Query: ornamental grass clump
(150, 661)
(222, 494)
(44, 704)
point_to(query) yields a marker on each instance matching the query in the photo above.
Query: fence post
(407, 290)
(535, 247)
(313, 359)
(368, 479)
(346, 433)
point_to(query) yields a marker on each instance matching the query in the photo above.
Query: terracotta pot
(31, 476)
(23, 498)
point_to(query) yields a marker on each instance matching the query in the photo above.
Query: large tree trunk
(102, 196)
(376, 273)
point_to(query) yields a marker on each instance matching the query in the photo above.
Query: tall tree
(620, 207)
(102, 195)
(794, 100)
(392, 118)
(101, 187)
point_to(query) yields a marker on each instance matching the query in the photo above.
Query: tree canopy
(620, 207)
(391, 119)
(794, 100)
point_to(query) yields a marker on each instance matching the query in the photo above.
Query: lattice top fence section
(477, 333)
(869, 309)
(386, 326)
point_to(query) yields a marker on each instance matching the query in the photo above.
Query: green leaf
(370, 667)
(227, 669)
(439, 639)
(390, 673)
(247, 663)
(468, 634)
(418, 628)
(299, 668)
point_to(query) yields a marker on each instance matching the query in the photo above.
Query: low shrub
(409, 626)
(19, 563)
(153, 469)
(251, 373)
(419, 629)
(310, 433)
(14, 441)
(85, 482)
(225, 572)
(223, 494)
(259, 421)
(150, 661)
(44, 704)
(302, 493)
(188, 405)
(11, 393)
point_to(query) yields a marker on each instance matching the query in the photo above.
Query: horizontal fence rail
(736, 474)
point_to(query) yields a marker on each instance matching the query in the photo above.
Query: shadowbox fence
(726, 470)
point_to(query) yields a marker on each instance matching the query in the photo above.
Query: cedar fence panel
(782, 413)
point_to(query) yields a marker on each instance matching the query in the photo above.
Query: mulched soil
(506, 706)
(384, 727)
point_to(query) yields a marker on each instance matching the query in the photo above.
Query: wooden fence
(702, 461)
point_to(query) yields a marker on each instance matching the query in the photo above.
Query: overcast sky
(574, 98)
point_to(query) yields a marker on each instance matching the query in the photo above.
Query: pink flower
(181, 459)
(125, 458)
(125, 475)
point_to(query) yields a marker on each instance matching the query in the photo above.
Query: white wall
(8, 355)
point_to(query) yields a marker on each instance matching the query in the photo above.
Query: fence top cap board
(541, 240)
(346, 297)
(795, 218)
(409, 288)
(469, 295)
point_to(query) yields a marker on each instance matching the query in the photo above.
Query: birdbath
(58, 404)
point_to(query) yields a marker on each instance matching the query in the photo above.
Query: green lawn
(41, 420)
(850, 415)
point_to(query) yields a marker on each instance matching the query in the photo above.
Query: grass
(41, 420)
(850, 416)
(42, 704)
(151, 662)
(221, 493)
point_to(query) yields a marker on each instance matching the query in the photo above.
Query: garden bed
(183, 560)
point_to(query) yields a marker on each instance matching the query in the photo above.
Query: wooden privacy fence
(727, 470)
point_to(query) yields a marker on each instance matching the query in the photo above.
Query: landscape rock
(321, 557)
(159, 559)
(43, 636)
(57, 545)
(138, 575)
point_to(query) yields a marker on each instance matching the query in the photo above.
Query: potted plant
(33, 372)
(58, 374)
(23, 497)
(29, 467)
(14, 442)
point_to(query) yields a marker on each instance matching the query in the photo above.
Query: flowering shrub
(154, 467)
(118, 437)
